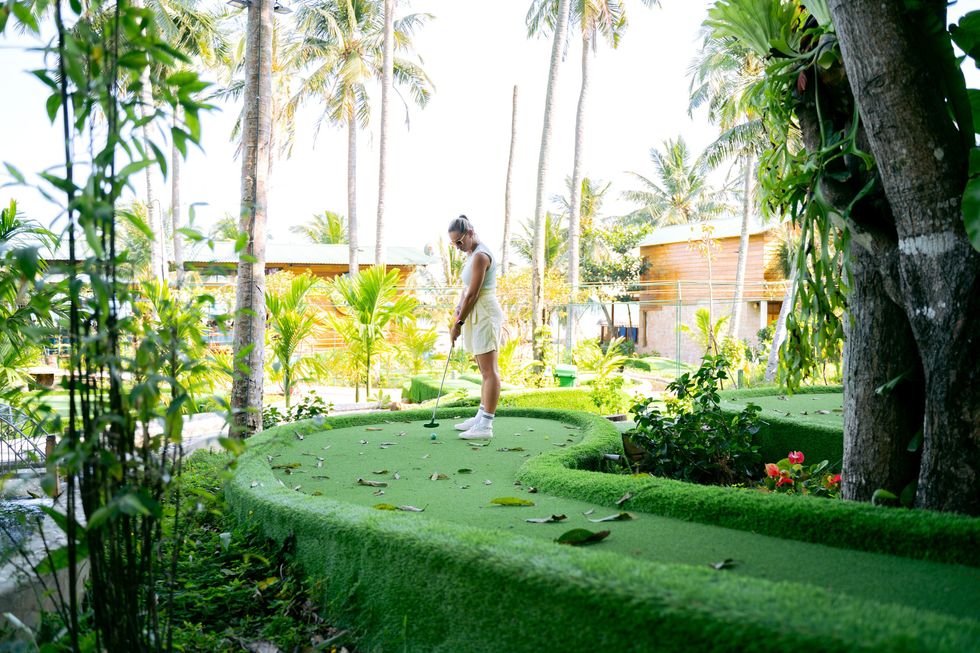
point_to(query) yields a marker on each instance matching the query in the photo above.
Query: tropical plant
(505, 247)
(327, 228)
(789, 476)
(555, 240)
(607, 386)
(452, 260)
(693, 439)
(293, 320)
(538, 23)
(116, 469)
(26, 307)
(680, 192)
(387, 73)
(706, 332)
(415, 344)
(226, 228)
(368, 304)
(342, 44)
(728, 77)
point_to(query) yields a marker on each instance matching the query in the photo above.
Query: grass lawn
(463, 497)
(824, 409)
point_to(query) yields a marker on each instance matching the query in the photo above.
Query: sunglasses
(459, 243)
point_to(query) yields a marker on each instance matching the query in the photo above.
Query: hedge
(401, 583)
(773, 391)
(555, 398)
(423, 388)
(778, 436)
(919, 534)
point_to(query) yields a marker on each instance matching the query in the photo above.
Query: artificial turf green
(464, 498)
(824, 409)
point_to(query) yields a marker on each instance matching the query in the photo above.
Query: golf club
(434, 423)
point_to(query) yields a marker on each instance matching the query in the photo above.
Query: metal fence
(23, 441)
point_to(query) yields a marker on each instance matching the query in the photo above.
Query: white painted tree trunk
(537, 272)
(386, 76)
(352, 193)
(575, 201)
(249, 334)
(175, 216)
(505, 250)
(743, 250)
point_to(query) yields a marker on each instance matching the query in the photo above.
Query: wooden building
(678, 283)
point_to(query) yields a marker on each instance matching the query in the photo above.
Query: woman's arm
(472, 292)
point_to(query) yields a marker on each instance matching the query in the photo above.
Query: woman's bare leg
(490, 391)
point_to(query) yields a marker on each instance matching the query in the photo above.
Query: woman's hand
(454, 332)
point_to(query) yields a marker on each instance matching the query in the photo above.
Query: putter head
(431, 425)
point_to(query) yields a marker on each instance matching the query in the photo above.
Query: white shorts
(481, 331)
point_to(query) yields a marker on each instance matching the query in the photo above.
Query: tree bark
(878, 347)
(922, 163)
(157, 260)
(743, 250)
(779, 332)
(575, 207)
(352, 193)
(538, 258)
(386, 76)
(249, 334)
(504, 258)
(175, 216)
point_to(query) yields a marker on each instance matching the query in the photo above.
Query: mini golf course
(399, 525)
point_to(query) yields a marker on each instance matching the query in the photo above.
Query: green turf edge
(557, 398)
(919, 534)
(774, 391)
(401, 584)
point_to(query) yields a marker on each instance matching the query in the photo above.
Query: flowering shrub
(791, 477)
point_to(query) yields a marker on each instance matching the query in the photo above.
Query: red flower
(833, 480)
(795, 457)
(784, 481)
(772, 470)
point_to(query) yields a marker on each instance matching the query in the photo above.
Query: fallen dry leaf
(361, 481)
(554, 519)
(622, 516)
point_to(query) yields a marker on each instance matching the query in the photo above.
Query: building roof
(292, 254)
(682, 233)
(307, 254)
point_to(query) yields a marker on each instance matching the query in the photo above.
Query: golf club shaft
(441, 383)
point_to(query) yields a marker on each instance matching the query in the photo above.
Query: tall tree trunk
(157, 260)
(386, 75)
(504, 258)
(538, 258)
(575, 208)
(352, 193)
(779, 332)
(878, 347)
(175, 216)
(249, 334)
(743, 250)
(922, 162)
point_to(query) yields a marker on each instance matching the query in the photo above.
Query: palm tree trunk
(367, 378)
(352, 192)
(152, 213)
(386, 75)
(249, 334)
(175, 216)
(743, 250)
(779, 333)
(507, 185)
(575, 208)
(537, 272)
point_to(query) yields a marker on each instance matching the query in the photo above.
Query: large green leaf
(761, 25)
(966, 34)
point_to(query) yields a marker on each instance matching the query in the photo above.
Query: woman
(479, 318)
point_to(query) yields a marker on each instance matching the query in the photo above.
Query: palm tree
(368, 303)
(293, 320)
(327, 228)
(225, 228)
(505, 248)
(343, 44)
(249, 334)
(705, 331)
(555, 241)
(680, 193)
(387, 72)
(723, 76)
(452, 264)
(539, 19)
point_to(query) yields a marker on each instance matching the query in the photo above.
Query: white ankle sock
(486, 419)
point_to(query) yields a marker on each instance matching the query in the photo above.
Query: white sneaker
(468, 424)
(477, 432)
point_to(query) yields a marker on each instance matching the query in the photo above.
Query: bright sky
(453, 157)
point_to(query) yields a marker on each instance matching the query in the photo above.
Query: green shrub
(695, 440)
(311, 406)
